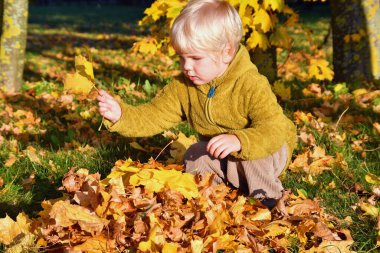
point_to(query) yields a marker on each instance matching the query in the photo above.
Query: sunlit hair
(206, 25)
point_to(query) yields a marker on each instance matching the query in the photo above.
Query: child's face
(201, 67)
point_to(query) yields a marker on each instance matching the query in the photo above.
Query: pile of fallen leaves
(155, 208)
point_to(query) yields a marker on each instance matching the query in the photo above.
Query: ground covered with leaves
(68, 184)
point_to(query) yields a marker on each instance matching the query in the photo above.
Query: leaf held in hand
(82, 80)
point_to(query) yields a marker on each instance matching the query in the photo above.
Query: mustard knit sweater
(239, 102)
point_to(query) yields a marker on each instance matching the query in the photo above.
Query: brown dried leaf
(11, 160)
(31, 153)
(97, 244)
(27, 183)
(66, 215)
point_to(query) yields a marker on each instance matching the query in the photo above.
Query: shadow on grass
(61, 49)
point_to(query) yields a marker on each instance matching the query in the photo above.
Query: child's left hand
(222, 145)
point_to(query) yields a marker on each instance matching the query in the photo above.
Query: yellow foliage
(369, 209)
(146, 46)
(262, 18)
(10, 229)
(372, 179)
(276, 5)
(197, 246)
(96, 244)
(170, 247)
(154, 180)
(179, 146)
(276, 228)
(257, 39)
(255, 15)
(156, 238)
(319, 69)
(83, 79)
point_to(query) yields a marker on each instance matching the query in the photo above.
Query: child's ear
(228, 53)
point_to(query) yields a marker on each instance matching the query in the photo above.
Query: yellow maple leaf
(179, 146)
(358, 92)
(146, 46)
(174, 8)
(11, 230)
(227, 242)
(155, 10)
(276, 228)
(237, 209)
(83, 79)
(257, 39)
(96, 244)
(170, 247)
(84, 67)
(262, 18)
(197, 246)
(254, 4)
(218, 221)
(372, 179)
(155, 181)
(319, 69)
(369, 209)
(276, 5)
(242, 6)
(156, 238)
(262, 214)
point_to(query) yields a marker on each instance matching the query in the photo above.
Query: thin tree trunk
(13, 43)
(1, 16)
(356, 43)
(266, 62)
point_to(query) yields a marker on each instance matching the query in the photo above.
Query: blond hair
(206, 25)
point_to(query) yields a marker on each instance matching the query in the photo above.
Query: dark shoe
(269, 202)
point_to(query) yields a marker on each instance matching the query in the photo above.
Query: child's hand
(109, 108)
(222, 145)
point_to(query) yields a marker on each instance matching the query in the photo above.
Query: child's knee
(195, 152)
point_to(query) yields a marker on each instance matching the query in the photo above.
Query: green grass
(61, 134)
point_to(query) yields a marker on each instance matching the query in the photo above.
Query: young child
(245, 139)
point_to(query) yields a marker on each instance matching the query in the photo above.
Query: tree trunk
(266, 62)
(12, 43)
(1, 16)
(356, 40)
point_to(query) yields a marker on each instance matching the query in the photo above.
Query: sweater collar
(240, 64)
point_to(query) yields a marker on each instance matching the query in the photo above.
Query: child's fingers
(216, 149)
(225, 153)
(212, 143)
(104, 96)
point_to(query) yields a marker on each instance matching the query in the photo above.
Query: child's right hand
(109, 108)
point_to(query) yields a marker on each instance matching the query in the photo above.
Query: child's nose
(187, 65)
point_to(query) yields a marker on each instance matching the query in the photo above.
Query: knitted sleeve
(269, 127)
(163, 112)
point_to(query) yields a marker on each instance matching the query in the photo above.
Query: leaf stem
(155, 159)
(101, 124)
